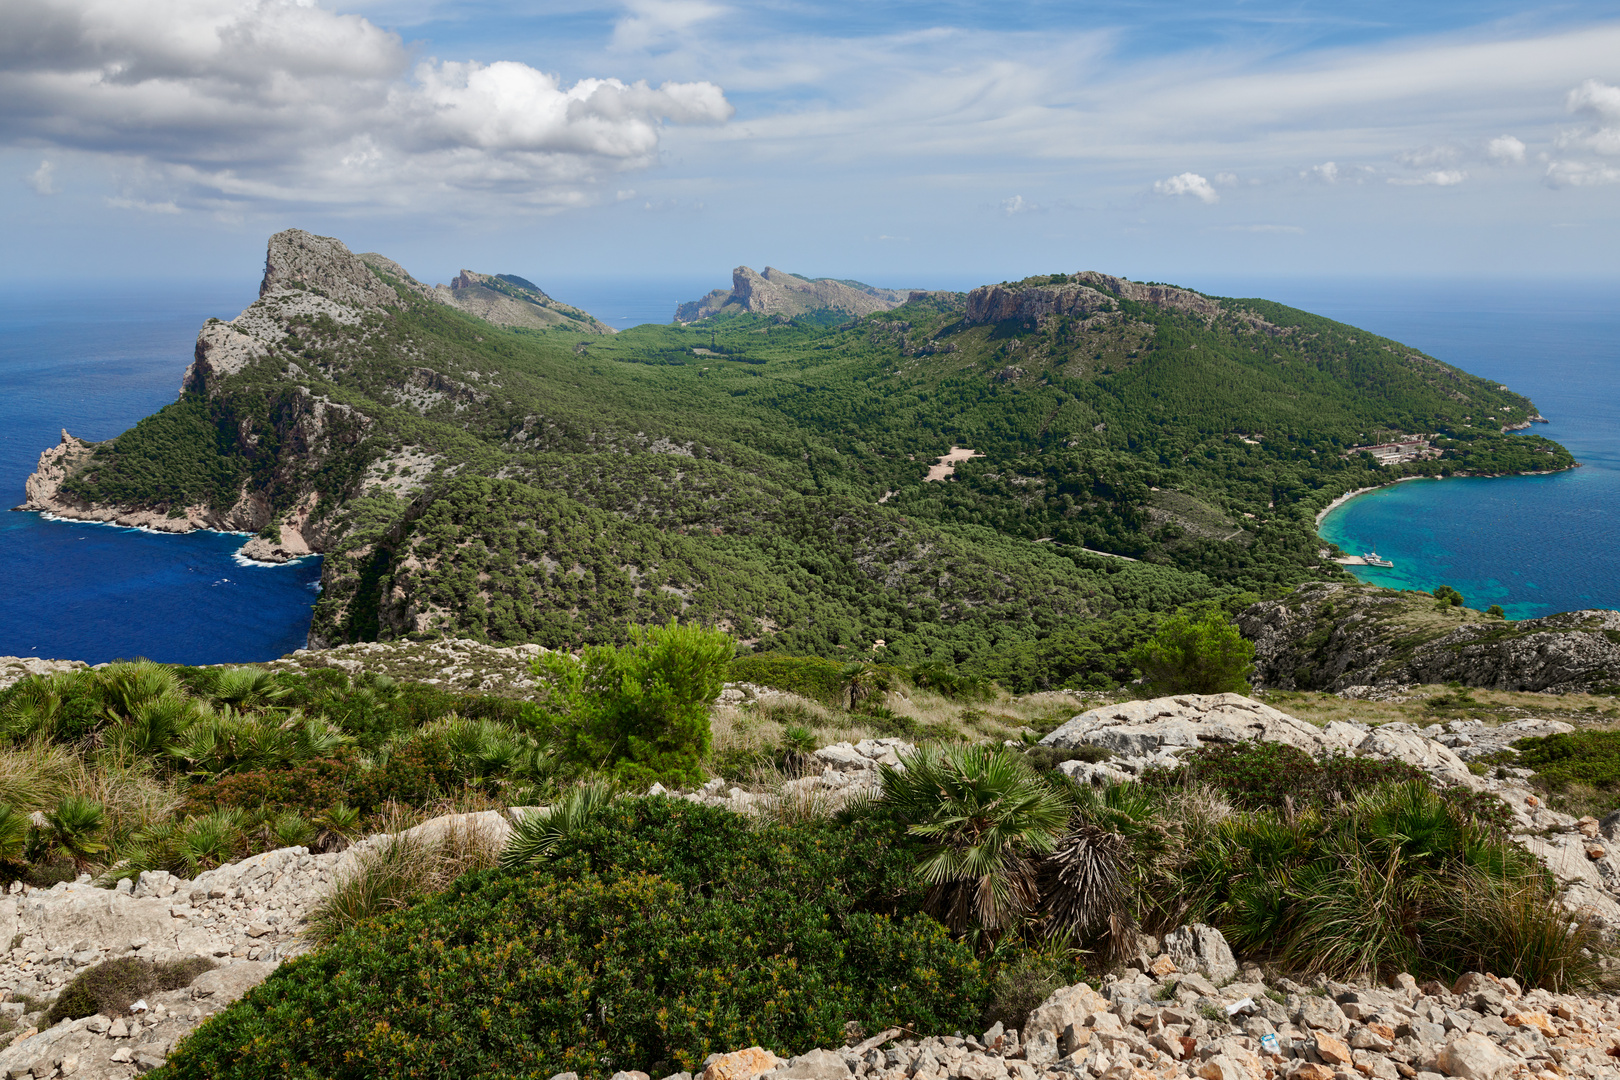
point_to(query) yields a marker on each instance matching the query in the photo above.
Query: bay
(1533, 544)
(94, 359)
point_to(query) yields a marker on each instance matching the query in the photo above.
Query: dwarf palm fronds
(538, 832)
(126, 686)
(155, 725)
(1082, 886)
(74, 830)
(226, 741)
(986, 816)
(246, 687)
(337, 827)
(14, 826)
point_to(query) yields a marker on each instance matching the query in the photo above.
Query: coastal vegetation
(766, 475)
(648, 933)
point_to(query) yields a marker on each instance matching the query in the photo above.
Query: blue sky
(908, 143)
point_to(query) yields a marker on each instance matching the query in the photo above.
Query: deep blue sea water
(95, 359)
(1534, 544)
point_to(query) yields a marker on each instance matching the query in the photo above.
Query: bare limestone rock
(777, 292)
(1202, 949)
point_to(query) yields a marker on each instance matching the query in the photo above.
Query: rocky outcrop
(777, 292)
(998, 303)
(506, 300)
(1161, 296)
(1083, 294)
(300, 261)
(1339, 637)
(1158, 1021)
(14, 669)
(56, 465)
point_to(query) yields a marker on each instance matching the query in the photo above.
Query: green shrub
(1568, 761)
(1256, 775)
(1196, 656)
(110, 988)
(1397, 879)
(952, 683)
(808, 676)
(640, 712)
(648, 939)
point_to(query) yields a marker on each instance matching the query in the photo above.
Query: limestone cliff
(507, 300)
(1083, 294)
(777, 292)
(1335, 637)
(310, 283)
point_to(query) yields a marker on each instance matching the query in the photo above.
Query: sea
(95, 358)
(1535, 545)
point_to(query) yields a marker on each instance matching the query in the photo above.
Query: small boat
(1372, 558)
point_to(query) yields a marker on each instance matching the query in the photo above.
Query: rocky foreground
(1182, 1008)
(1187, 1011)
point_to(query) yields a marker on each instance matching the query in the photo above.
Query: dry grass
(400, 869)
(37, 775)
(1414, 707)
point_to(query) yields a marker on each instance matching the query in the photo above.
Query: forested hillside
(767, 474)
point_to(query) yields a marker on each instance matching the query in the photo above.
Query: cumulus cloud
(1597, 98)
(1581, 174)
(1505, 150)
(1601, 102)
(1017, 205)
(221, 102)
(42, 179)
(1327, 172)
(1434, 178)
(1188, 183)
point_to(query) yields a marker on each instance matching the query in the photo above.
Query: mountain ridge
(770, 474)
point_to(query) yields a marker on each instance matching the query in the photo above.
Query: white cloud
(1016, 205)
(1436, 178)
(1187, 183)
(220, 101)
(1226, 179)
(143, 206)
(1581, 174)
(652, 23)
(42, 179)
(1327, 172)
(1505, 150)
(1600, 99)
(1428, 157)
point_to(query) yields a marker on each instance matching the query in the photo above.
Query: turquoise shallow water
(1534, 544)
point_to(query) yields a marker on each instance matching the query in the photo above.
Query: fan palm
(986, 816)
(74, 829)
(537, 833)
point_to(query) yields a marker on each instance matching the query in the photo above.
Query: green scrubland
(514, 485)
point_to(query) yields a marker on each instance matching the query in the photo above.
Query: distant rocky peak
(781, 292)
(1077, 294)
(297, 260)
(508, 284)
